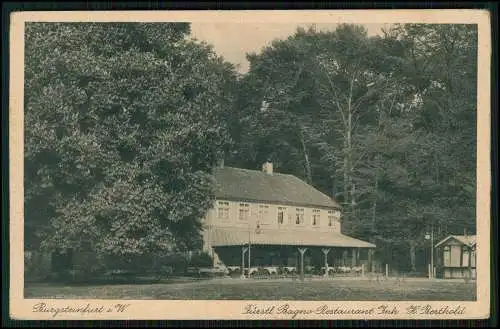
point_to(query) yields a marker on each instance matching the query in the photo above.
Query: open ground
(236, 289)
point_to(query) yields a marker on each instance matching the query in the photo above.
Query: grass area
(235, 289)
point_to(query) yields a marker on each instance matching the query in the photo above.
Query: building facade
(272, 220)
(457, 257)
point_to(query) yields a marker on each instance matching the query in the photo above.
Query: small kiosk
(457, 257)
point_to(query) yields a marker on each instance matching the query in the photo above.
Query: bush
(170, 264)
(37, 265)
(88, 266)
(179, 263)
(201, 259)
(70, 276)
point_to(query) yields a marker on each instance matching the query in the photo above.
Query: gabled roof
(254, 185)
(469, 240)
(237, 237)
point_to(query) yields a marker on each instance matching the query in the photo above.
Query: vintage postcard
(325, 164)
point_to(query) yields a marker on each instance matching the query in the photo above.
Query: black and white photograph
(264, 162)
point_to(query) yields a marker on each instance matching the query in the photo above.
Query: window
(244, 212)
(446, 256)
(316, 217)
(223, 210)
(263, 212)
(465, 257)
(281, 215)
(299, 216)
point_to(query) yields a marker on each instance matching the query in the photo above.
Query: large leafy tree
(442, 66)
(317, 88)
(123, 122)
(418, 170)
(275, 110)
(388, 121)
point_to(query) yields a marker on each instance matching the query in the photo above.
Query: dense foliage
(123, 122)
(384, 124)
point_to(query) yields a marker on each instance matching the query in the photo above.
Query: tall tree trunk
(346, 181)
(307, 162)
(349, 154)
(436, 168)
(348, 186)
(374, 207)
(349, 144)
(413, 256)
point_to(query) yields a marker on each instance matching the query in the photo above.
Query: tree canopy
(384, 124)
(123, 122)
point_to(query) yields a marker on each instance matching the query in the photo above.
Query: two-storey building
(279, 217)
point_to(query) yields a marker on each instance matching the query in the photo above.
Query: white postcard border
(21, 308)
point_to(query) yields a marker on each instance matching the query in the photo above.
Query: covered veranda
(290, 250)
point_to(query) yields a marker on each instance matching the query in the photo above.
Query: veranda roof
(235, 237)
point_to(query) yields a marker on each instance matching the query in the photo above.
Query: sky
(234, 40)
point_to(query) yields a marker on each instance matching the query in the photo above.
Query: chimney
(465, 232)
(267, 167)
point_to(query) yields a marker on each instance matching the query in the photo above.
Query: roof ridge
(259, 171)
